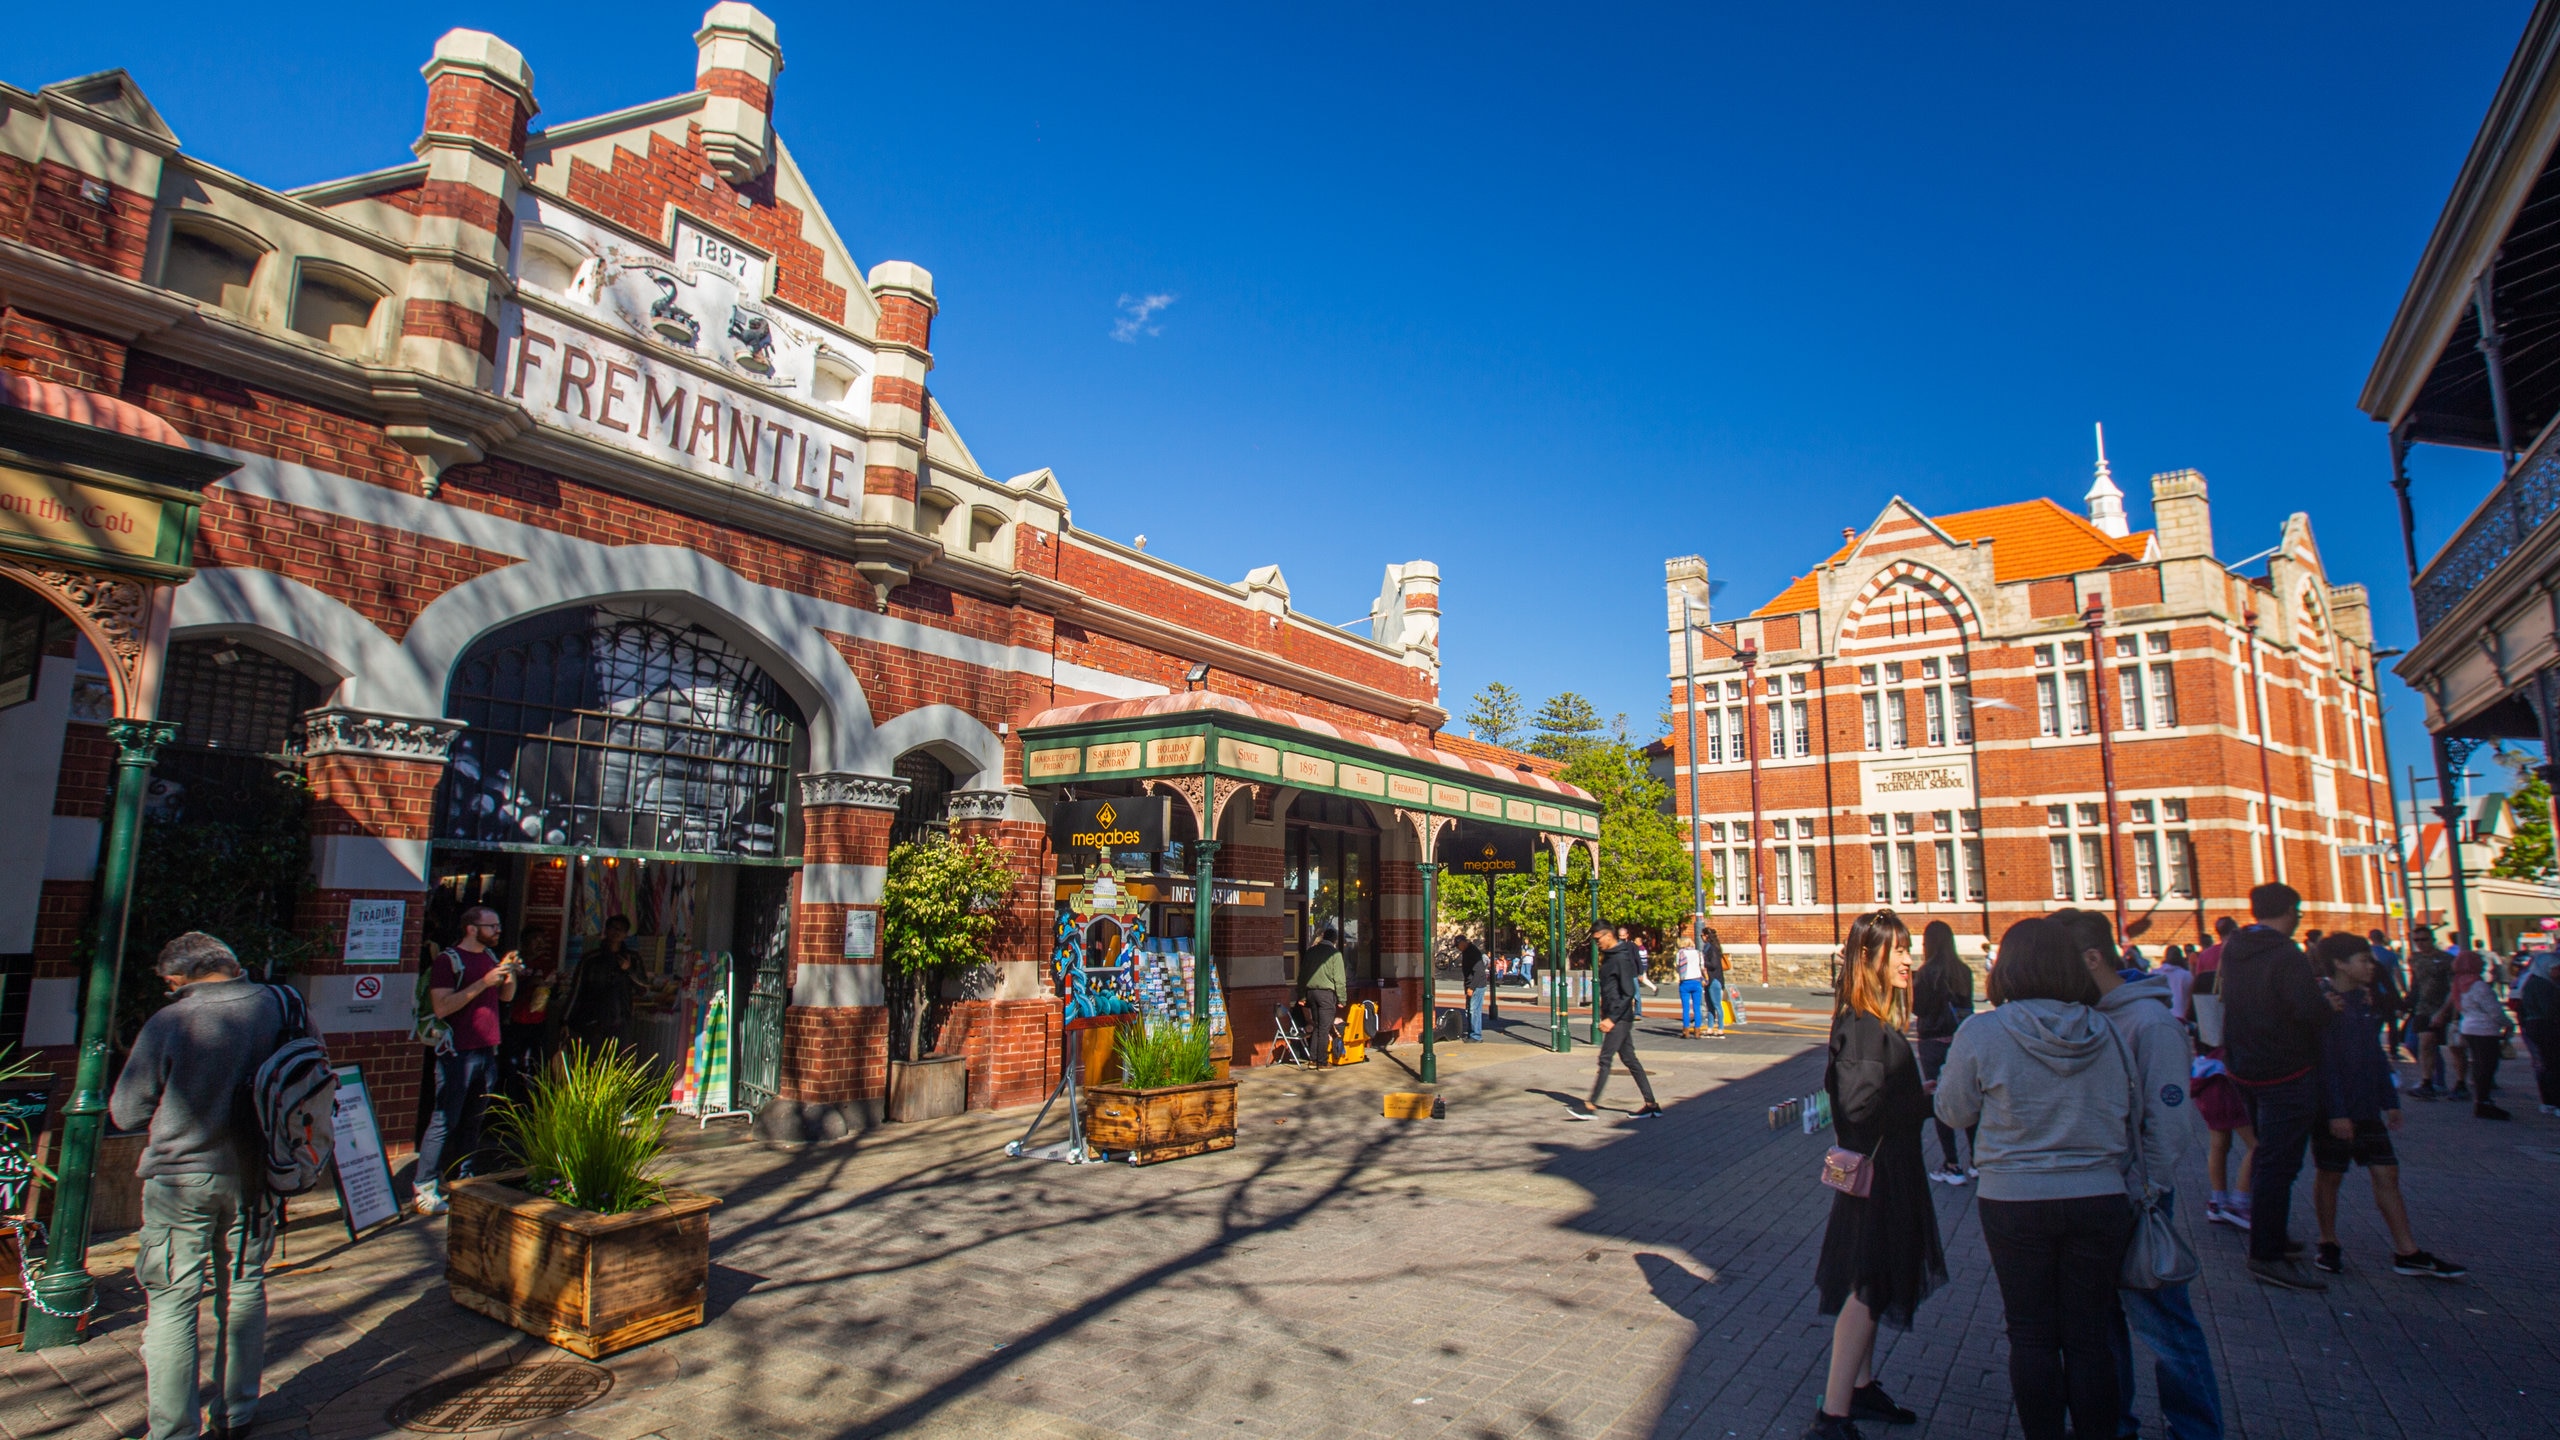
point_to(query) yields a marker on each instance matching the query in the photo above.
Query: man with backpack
(206, 1211)
(468, 988)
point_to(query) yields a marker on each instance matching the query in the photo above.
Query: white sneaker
(430, 1201)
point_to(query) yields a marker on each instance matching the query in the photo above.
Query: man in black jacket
(1614, 993)
(2274, 1018)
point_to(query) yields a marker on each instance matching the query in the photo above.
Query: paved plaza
(1496, 1273)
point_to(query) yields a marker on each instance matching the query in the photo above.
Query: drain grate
(509, 1395)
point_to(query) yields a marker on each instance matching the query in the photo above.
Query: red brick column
(835, 1047)
(373, 785)
(1009, 1028)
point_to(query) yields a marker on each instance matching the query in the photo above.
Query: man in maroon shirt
(469, 988)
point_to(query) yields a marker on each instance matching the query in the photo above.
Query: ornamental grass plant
(588, 1131)
(1154, 1056)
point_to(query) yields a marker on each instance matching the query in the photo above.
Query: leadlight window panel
(615, 729)
(225, 696)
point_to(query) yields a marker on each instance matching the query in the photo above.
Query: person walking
(468, 988)
(206, 1224)
(1323, 985)
(2044, 1078)
(1613, 999)
(2430, 988)
(1691, 967)
(1473, 971)
(2156, 1043)
(602, 991)
(2538, 1006)
(1941, 1000)
(2274, 1018)
(2484, 1023)
(1880, 1251)
(1711, 953)
(2390, 992)
(2362, 1107)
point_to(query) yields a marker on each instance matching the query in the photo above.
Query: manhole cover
(510, 1395)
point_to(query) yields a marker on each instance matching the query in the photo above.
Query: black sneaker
(1831, 1427)
(2486, 1111)
(2284, 1275)
(2459, 1092)
(1649, 1112)
(2419, 1262)
(1869, 1402)
(2330, 1259)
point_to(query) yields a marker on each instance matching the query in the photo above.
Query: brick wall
(637, 190)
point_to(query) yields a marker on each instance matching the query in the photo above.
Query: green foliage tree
(235, 863)
(1495, 716)
(1565, 724)
(941, 901)
(2528, 852)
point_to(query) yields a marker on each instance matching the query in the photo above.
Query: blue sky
(1547, 295)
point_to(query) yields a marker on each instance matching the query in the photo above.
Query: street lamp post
(2094, 619)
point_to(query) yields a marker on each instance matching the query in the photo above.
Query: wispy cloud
(1135, 312)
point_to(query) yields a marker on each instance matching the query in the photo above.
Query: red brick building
(1924, 712)
(597, 545)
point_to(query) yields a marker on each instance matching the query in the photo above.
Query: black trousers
(1933, 1058)
(2057, 1261)
(1619, 1040)
(1327, 1036)
(2484, 1066)
(2283, 1114)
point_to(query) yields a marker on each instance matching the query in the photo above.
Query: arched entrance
(621, 760)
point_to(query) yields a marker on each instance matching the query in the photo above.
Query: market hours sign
(1913, 784)
(607, 391)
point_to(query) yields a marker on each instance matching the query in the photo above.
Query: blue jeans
(1475, 1012)
(1715, 1002)
(1693, 1004)
(2283, 1113)
(462, 1102)
(2182, 1365)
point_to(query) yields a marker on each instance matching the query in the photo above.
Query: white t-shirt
(1690, 964)
(2481, 1013)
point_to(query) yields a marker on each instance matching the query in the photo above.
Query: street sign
(2358, 852)
(1489, 850)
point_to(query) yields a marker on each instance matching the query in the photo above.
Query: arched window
(618, 729)
(238, 711)
(927, 804)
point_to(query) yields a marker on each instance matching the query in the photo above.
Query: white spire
(2106, 502)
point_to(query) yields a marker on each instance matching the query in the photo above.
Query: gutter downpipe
(2094, 619)
(2266, 776)
(1759, 872)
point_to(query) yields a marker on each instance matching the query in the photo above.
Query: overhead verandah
(1212, 750)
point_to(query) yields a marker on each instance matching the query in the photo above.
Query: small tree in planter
(585, 1245)
(942, 901)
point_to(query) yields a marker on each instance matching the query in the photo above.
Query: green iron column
(1559, 952)
(1203, 878)
(1595, 950)
(1430, 974)
(63, 1294)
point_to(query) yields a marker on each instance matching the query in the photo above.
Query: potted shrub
(941, 901)
(1169, 1103)
(584, 1244)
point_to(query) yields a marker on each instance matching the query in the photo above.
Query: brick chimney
(479, 104)
(739, 58)
(2182, 515)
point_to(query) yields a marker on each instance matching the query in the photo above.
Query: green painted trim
(698, 857)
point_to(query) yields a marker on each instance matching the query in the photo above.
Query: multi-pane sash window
(1907, 860)
(1873, 709)
(2048, 709)
(2146, 865)
(1896, 720)
(2164, 696)
(1777, 730)
(1715, 737)
(1936, 701)
(2182, 864)
(1963, 708)
(1799, 735)
(2061, 867)
(1737, 739)
(2076, 688)
(1884, 873)
(2129, 696)
(1946, 870)
(1783, 879)
(1974, 886)
(2093, 868)
(1715, 865)
(1804, 877)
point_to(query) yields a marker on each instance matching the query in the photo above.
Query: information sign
(365, 1197)
(861, 934)
(374, 930)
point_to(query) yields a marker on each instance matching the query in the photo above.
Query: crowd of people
(2071, 1097)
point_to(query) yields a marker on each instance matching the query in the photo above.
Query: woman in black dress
(1880, 1256)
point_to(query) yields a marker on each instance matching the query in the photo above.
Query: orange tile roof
(2030, 540)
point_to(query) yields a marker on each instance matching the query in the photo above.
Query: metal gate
(762, 950)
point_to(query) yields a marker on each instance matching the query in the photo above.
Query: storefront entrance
(620, 762)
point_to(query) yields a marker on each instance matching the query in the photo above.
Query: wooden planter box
(1166, 1124)
(928, 1089)
(588, 1283)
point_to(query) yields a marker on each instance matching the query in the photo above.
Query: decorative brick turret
(895, 469)
(740, 57)
(479, 103)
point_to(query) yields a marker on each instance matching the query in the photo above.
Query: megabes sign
(1118, 822)
(1489, 850)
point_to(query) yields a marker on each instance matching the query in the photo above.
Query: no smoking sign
(368, 987)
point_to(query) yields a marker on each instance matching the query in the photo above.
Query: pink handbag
(1848, 1172)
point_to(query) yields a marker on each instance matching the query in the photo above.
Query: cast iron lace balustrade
(2512, 513)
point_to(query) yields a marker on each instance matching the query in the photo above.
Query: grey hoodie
(2139, 1009)
(2042, 1079)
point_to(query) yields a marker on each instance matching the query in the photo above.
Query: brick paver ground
(1497, 1273)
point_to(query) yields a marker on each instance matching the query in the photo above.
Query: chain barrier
(27, 1272)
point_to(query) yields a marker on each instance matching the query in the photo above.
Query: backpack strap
(294, 1018)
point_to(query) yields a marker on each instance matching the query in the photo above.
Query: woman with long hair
(2046, 1079)
(1880, 1254)
(1941, 998)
